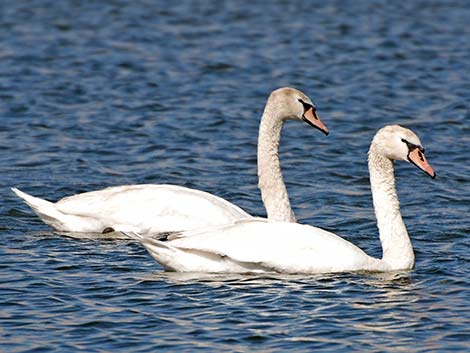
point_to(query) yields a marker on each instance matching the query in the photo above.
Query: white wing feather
(260, 245)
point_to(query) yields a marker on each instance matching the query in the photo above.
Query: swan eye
(412, 146)
(420, 155)
(307, 106)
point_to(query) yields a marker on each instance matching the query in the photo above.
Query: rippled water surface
(94, 94)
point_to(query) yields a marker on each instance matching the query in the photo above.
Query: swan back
(258, 245)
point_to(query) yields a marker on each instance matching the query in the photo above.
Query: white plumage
(167, 208)
(260, 245)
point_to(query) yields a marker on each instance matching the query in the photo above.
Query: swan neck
(271, 183)
(396, 244)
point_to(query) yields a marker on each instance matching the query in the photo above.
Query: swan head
(292, 104)
(398, 143)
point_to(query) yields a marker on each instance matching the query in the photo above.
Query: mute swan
(259, 245)
(154, 209)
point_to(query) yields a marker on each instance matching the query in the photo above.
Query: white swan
(166, 208)
(259, 245)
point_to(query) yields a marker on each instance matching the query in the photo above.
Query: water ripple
(94, 95)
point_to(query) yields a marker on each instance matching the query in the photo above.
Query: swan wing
(142, 208)
(149, 195)
(259, 246)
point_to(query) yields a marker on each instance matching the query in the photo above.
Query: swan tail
(166, 255)
(46, 210)
(176, 259)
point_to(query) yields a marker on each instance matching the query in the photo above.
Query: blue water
(94, 94)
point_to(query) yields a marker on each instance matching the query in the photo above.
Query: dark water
(94, 94)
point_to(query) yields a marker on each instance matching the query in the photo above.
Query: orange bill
(417, 157)
(311, 117)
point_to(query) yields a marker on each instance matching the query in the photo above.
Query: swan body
(168, 208)
(131, 208)
(260, 245)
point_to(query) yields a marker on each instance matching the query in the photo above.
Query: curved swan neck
(271, 183)
(396, 245)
